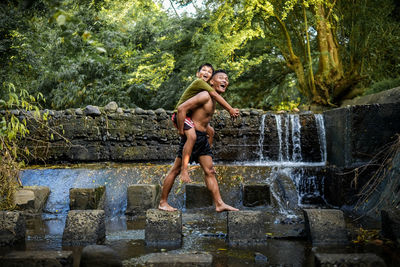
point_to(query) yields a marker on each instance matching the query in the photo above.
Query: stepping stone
(391, 224)
(246, 227)
(256, 195)
(142, 197)
(31, 199)
(84, 227)
(197, 196)
(99, 256)
(325, 227)
(12, 228)
(163, 228)
(337, 260)
(186, 259)
(87, 198)
(37, 258)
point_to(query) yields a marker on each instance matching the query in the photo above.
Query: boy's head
(219, 81)
(205, 72)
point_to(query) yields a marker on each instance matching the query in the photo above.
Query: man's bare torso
(202, 115)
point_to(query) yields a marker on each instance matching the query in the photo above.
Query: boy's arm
(234, 112)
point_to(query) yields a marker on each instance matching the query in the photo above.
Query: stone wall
(137, 135)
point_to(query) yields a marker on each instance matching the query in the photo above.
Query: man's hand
(185, 176)
(234, 112)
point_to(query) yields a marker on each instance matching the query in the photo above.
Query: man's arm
(190, 104)
(234, 112)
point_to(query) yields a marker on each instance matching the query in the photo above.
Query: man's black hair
(218, 71)
(208, 65)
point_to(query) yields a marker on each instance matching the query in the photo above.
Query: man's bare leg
(167, 185)
(186, 152)
(212, 184)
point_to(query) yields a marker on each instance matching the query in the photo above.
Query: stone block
(84, 227)
(197, 196)
(99, 256)
(246, 227)
(256, 195)
(338, 260)
(183, 259)
(12, 228)
(37, 259)
(163, 228)
(32, 199)
(142, 197)
(87, 198)
(391, 224)
(325, 227)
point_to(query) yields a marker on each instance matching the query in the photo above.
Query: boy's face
(205, 73)
(220, 82)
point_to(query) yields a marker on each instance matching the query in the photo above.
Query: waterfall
(279, 130)
(296, 152)
(319, 120)
(261, 139)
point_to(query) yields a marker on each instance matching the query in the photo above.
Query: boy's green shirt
(194, 88)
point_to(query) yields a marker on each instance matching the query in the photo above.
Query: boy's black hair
(208, 65)
(218, 71)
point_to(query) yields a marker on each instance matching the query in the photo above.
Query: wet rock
(279, 226)
(32, 199)
(79, 112)
(84, 227)
(391, 224)
(334, 260)
(69, 112)
(92, 111)
(99, 256)
(325, 227)
(182, 259)
(260, 259)
(139, 111)
(87, 198)
(159, 111)
(120, 111)
(37, 258)
(246, 227)
(163, 228)
(256, 195)
(12, 228)
(111, 107)
(141, 197)
(197, 196)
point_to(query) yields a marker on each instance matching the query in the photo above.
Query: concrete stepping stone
(184, 259)
(246, 227)
(141, 197)
(31, 199)
(84, 227)
(163, 228)
(325, 227)
(391, 224)
(197, 196)
(256, 195)
(12, 228)
(99, 256)
(37, 259)
(87, 198)
(339, 260)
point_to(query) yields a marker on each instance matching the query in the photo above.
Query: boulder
(12, 228)
(99, 256)
(84, 227)
(111, 107)
(163, 228)
(92, 111)
(141, 197)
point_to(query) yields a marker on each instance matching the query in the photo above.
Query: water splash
(296, 134)
(261, 139)
(279, 130)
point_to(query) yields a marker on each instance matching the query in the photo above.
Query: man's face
(220, 82)
(205, 73)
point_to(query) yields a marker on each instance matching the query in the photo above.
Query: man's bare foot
(166, 207)
(185, 176)
(225, 207)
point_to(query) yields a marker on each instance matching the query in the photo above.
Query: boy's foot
(166, 207)
(185, 177)
(225, 207)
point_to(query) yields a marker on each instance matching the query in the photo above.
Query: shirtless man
(202, 107)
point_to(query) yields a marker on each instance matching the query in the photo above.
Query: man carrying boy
(183, 121)
(202, 107)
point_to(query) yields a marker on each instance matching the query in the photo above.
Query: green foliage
(383, 85)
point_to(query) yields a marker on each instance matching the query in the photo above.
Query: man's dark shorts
(200, 148)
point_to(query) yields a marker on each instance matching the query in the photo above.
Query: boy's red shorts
(188, 123)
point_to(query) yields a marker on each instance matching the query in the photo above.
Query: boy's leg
(210, 132)
(167, 185)
(186, 153)
(212, 184)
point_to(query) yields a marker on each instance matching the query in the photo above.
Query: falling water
(261, 140)
(279, 130)
(319, 120)
(296, 152)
